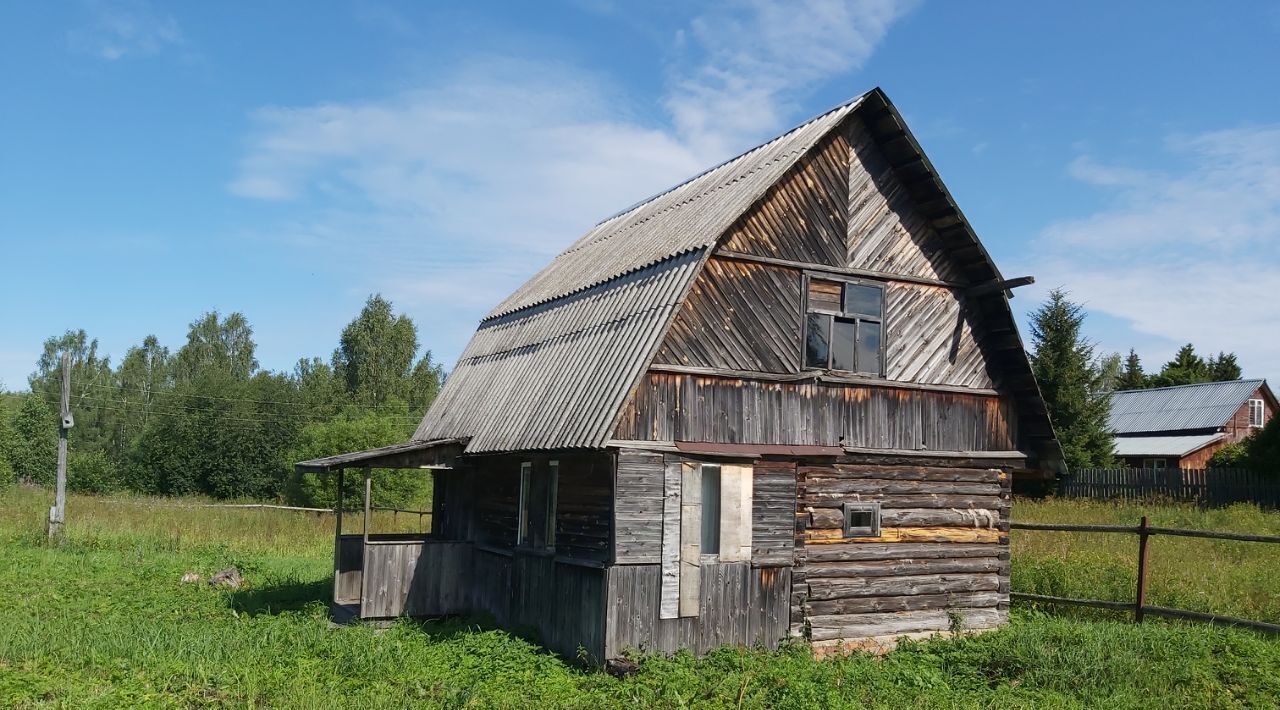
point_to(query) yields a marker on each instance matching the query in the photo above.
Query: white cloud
(454, 192)
(761, 55)
(119, 29)
(1191, 255)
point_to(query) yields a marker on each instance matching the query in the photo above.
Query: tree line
(1077, 382)
(208, 420)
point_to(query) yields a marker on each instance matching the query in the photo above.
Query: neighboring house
(1181, 427)
(783, 398)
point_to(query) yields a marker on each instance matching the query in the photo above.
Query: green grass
(1238, 579)
(103, 621)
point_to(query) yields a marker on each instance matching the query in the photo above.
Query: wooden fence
(1208, 487)
(1139, 605)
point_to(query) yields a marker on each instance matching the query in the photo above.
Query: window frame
(704, 519)
(528, 469)
(857, 318)
(522, 503)
(856, 531)
(1151, 463)
(1261, 407)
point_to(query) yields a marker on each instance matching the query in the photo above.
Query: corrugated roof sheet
(551, 366)
(1163, 445)
(556, 375)
(689, 216)
(1201, 406)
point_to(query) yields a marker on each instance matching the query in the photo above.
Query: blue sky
(287, 159)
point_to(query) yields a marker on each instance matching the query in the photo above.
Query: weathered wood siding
(638, 507)
(417, 578)
(738, 604)
(350, 563)
(738, 316)
(484, 497)
(803, 216)
(773, 514)
(886, 230)
(844, 205)
(679, 407)
(943, 549)
(930, 338)
(584, 505)
(562, 604)
(641, 519)
(748, 317)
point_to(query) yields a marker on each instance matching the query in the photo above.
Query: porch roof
(434, 454)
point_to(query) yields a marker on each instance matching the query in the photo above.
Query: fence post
(1139, 607)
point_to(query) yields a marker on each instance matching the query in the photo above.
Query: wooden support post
(364, 547)
(337, 535)
(58, 513)
(1139, 609)
(368, 495)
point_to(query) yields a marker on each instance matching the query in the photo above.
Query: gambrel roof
(552, 365)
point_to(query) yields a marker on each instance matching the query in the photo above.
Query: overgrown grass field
(103, 621)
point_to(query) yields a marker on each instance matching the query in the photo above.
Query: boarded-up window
(706, 517)
(844, 326)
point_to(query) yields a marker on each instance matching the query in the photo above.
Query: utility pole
(58, 513)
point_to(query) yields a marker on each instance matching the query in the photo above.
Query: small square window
(862, 520)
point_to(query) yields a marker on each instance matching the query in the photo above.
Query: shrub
(1232, 455)
(91, 472)
(393, 488)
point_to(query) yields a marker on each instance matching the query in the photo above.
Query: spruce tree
(1186, 368)
(1131, 376)
(1224, 368)
(1070, 380)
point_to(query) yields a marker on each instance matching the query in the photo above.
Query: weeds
(103, 621)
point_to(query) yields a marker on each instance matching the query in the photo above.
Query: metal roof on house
(555, 376)
(1163, 445)
(690, 216)
(1185, 407)
(552, 365)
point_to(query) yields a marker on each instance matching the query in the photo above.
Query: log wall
(942, 556)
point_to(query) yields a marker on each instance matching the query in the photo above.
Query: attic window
(1256, 410)
(844, 324)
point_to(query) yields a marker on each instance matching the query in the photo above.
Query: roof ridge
(1190, 384)
(737, 157)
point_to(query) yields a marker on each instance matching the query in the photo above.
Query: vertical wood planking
(738, 605)
(686, 407)
(735, 513)
(690, 538)
(671, 551)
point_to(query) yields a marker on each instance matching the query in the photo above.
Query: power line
(229, 399)
(173, 393)
(259, 417)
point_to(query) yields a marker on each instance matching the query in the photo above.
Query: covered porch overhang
(376, 575)
(434, 454)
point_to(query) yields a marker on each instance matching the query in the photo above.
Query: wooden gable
(842, 211)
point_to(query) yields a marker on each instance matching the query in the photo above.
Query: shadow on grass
(282, 598)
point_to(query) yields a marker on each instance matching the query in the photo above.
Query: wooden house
(1183, 426)
(781, 399)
